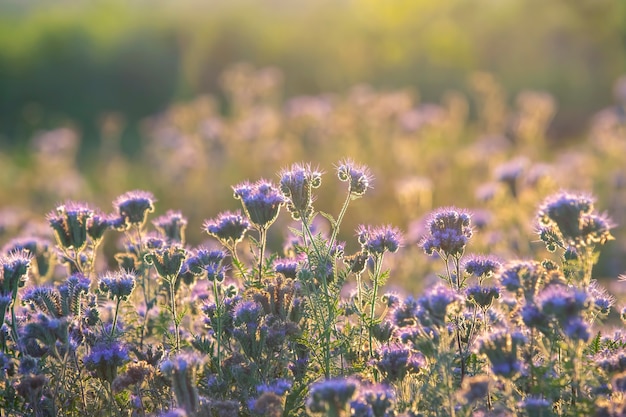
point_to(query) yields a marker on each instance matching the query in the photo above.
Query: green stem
(342, 213)
(376, 279)
(117, 308)
(172, 282)
(263, 242)
(218, 330)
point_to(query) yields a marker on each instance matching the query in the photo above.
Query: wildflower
(358, 177)
(297, 185)
(72, 290)
(261, 202)
(501, 348)
(510, 172)
(167, 260)
(571, 217)
(98, 224)
(436, 302)
(14, 272)
(40, 249)
(206, 261)
(31, 387)
(602, 300)
(618, 383)
(376, 241)
(288, 268)
(134, 207)
(278, 387)
(576, 329)
(135, 374)
(398, 361)
(449, 231)
(522, 275)
(69, 222)
(483, 296)
(181, 369)
(405, 313)
(481, 266)
(331, 396)
(104, 359)
(562, 302)
(357, 262)
(247, 312)
(372, 401)
(228, 227)
(172, 225)
(118, 286)
(268, 404)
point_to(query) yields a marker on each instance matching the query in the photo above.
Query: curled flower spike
(14, 272)
(228, 227)
(376, 241)
(118, 285)
(134, 206)
(357, 176)
(261, 202)
(297, 184)
(172, 225)
(449, 230)
(481, 266)
(69, 222)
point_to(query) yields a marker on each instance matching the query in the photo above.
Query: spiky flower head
(287, 267)
(398, 361)
(501, 348)
(172, 225)
(562, 302)
(331, 396)
(69, 221)
(481, 266)
(373, 401)
(205, 261)
(261, 202)
(449, 230)
(437, 302)
(297, 184)
(228, 227)
(105, 357)
(482, 296)
(14, 272)
(167, 260)
(569, 220)
(377, 240)
(98, 224)
(134, 207)
(117, 285)
(524, 276)
(357, 176)
(39, 248)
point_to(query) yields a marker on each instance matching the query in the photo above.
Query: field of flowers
(362, 254)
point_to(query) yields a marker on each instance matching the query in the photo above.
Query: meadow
(349, 254)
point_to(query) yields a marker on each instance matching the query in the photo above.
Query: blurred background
(485, 104)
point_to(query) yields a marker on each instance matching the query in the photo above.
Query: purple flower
(501, 348)
(134, 207)
(105, 357)
(40, 249)
(171, 225)
(358, 177)
(377, 240)
(14, 270)
(98, 224)
(481, 266)
(69, 222)
(372, 401)
(297, 184)
(436, 302)
(117, 285)
(397, 361)
(278, 387)
(562, 302)
(247, 312)
(261, 202)
(206, 261)
(287, 267)
(516, 275)
(576, 329)
(449, 231)
(483, 296)
(405, 314)
(228, 227)
(167, 260)
(331, 394)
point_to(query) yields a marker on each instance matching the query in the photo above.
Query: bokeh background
(484, 104)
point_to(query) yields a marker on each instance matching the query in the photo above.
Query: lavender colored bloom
(372, 401)
(167, 260)
(40, 249)
(73, 289)
(172, 225)
(602, 300)
(436, 302)
(105, 357)
(228, 227)
(69, 222)
(536, 407)
(98, 224)
(483, 296)
(405, 314)
(501, 348)
(481, 266)
(397, 361)
(576, 329)
(247, 312)
(287, 267)
(533, 317)
(118, 285)
(278, 387)
(331, 395)
(449, 231)
(377, 240)
(261, 202)
(46, 299)
(206, 261)
(181, 369)
(525, 275)
(134, 207)
(358, 177)
(297, 184)
(562, 302)
(572, 217)
(14, 275)
(474, 388)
